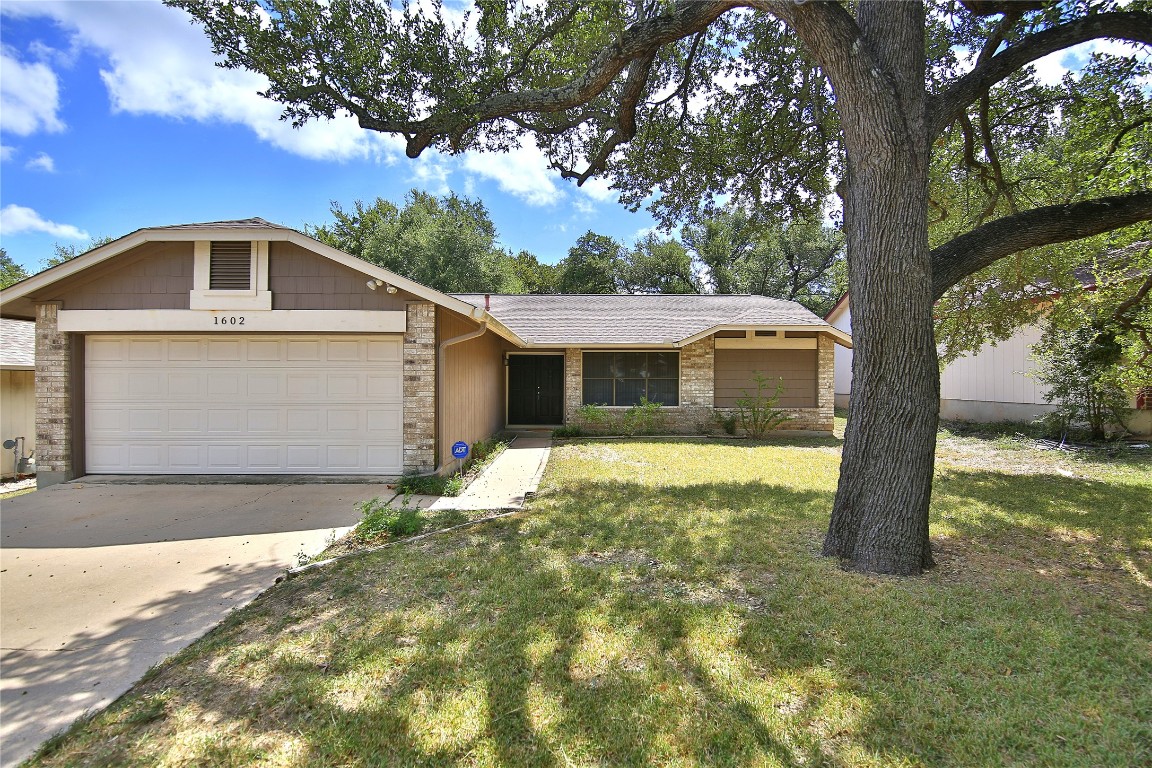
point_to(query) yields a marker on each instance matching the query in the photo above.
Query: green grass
(663, 603)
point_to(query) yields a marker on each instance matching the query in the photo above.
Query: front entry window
(623, 378)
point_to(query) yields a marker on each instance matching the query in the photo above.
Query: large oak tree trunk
(880, 515)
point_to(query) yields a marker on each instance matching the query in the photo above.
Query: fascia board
(837, 335)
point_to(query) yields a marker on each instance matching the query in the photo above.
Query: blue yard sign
(460, 449)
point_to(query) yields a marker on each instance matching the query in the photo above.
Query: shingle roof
(17, 344)
(253, 223)
(565, 320)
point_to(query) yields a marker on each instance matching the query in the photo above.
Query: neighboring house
(994, 384)
(17, 389)
(244, 347)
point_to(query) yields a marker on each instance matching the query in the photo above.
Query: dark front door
(535, 389)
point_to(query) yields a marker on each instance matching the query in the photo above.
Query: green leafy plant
(431, 485)
(727, 421)
(594, 419)
(379, 519)
(757, 413)
(568, 430)
(1079, 368)
(647, 418)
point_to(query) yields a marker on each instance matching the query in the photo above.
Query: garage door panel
(185, 350)
(186, 457)
(147, 420)
(384, 351)
(264, 385)
(187, 385)
(224, 351)
(244, 405)
(382, 388)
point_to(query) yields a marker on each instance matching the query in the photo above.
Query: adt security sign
(460, 449)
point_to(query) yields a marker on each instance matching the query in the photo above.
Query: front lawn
(663, 603)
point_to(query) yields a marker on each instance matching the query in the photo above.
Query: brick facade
(420, 388)
(698, 386)
(54, 417)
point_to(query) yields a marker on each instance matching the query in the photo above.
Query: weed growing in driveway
(379, 519)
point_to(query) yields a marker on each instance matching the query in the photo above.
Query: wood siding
(17, 414)
(150, 276)
(997, 373)
(301, 279)
(472, 386)
(797, 367)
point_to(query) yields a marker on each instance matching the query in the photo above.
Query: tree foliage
(10, 271)
(448, 243)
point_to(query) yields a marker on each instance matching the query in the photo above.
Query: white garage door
(244, 405)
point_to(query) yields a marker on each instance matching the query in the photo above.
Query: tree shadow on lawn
(621, 624)
(1070, 521)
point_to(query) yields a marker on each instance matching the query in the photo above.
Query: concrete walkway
(513, 477)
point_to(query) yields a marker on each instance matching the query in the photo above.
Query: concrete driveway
(99, 582)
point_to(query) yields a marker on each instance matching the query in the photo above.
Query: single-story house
(245, 347)
(17, 390)
(993, 384)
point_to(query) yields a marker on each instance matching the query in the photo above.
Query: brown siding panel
(797, 367)
(301, 279)
(473, 385)
(150, 276)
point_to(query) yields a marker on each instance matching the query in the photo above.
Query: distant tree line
(450, 243)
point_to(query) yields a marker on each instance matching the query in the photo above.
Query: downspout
(440, 360)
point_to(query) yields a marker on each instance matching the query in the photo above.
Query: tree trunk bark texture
(880, 515)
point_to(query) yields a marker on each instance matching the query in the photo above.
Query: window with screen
(623, 378)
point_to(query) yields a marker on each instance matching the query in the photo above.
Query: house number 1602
(229, 320)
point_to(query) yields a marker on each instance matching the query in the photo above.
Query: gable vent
(231, 266)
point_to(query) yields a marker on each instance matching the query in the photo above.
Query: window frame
(641, 350)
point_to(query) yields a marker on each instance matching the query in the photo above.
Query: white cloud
(522, 172)
(599, 188)
(160, 64)
(7, 153)
(430, 172)
(42, 162)
(15, 219)
(29, 96)
(1051, 69)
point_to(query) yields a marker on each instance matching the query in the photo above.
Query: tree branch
(981, 247)
(946, 106)
(642, 40)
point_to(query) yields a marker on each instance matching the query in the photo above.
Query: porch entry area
(535, 389)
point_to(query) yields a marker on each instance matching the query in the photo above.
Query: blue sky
(114, 118)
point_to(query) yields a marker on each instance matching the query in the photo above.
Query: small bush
(757, 413)
(377, 519)
(568, 430)
(647, 418)
(430, 485)
(727, 421)
(594, 419)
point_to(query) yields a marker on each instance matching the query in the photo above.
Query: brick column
(698, 374)
(825, 382)
(420, 388)
(573, 382)
(53, 399)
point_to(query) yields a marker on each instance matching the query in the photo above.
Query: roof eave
(839, 336)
